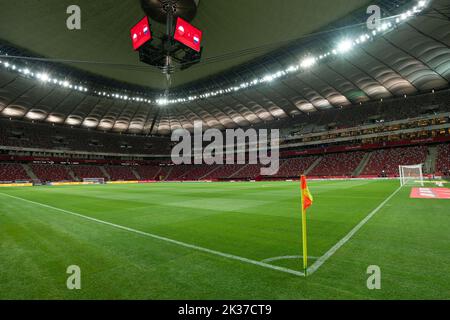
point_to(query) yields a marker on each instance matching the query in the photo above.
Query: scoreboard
(141, 33)
(188, 35)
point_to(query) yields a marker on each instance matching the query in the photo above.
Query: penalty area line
(316, 265)
(172, 241)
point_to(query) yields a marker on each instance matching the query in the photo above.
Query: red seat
(389, 160)
(11, 172)
(51, 173)
(338, 164)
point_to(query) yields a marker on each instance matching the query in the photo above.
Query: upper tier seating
(369, 113)
(14, 133)
(44, 136)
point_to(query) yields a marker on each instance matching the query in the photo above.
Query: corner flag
(307, 201)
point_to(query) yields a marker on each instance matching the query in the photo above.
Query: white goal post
(411, 174)
(94, 180)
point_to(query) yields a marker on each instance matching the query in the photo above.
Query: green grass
(408, 238)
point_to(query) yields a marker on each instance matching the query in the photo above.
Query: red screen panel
(141, 33)
(188, 35)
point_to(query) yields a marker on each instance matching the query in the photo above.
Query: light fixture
(162, 102)
(44, 77)
(344, 46)
(308, 62)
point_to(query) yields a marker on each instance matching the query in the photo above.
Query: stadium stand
(380, 162)
(223, 172)
(250, 171)
(388, 160)
(82, 171)
(23, 134)
(11, 172)
(198, 172)
(292, 168)
(149, 172)
(369, 113)
(120, 173)
(176, 172)
(164, 173)
(52, 173)
(29, 135)
(338, 164)
(40, 140)
(443, 160)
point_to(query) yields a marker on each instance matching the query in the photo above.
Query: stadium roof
(229, 26)
(409, 58)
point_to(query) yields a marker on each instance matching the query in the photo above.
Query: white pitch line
(344, 240)
(287, 258)
(179, 243)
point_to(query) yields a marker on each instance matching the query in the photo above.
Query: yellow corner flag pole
(304, 237)
(307, 201)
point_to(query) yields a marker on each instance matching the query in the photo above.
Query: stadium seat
(83, 171)
(338, 164)
(51, 172)
(389, 160)
(292, 168)
(11, 172)
(443, 160)
(120, 173)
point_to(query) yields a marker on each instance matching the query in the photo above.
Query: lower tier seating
(11, 172)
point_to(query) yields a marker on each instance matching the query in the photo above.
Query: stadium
(224, 150)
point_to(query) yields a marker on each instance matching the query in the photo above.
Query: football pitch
(222, 241)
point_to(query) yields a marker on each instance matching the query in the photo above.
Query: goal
(411, 175)
(94, 180)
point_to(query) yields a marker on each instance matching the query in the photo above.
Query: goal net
(94, 180)
(411, 175)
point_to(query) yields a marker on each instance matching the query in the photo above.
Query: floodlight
(345, 46)
(308, 62)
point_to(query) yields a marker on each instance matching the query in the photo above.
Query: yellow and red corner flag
(307, 201)
(307, 198)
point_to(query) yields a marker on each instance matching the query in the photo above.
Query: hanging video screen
(141, 33)
(188, 35)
